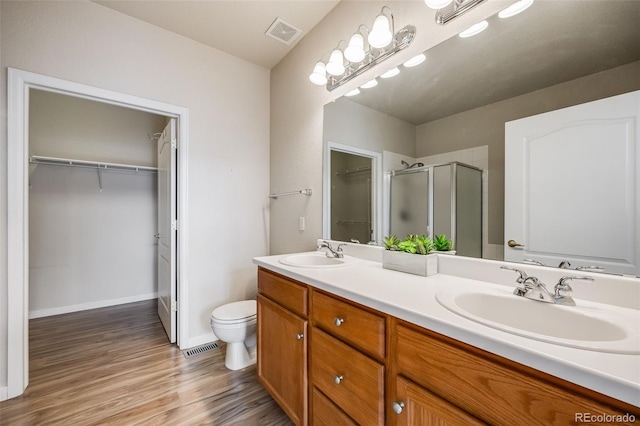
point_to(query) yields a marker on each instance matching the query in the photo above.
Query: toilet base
(238, 357)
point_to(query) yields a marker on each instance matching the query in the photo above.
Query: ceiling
(550, 43)
(235, 27)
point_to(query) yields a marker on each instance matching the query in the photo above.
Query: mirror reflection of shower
(351, 197)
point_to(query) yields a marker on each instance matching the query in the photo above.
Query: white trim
(19, 83)
(41, 313)
(376, 191)
(201, 340)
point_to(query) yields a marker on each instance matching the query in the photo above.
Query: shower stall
(438, 199)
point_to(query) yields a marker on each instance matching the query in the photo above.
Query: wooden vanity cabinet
(347, 360)
(282, 342)
(365, 366)
(436, 378)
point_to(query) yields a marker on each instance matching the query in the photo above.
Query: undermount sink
(594, 327)
(316, 260)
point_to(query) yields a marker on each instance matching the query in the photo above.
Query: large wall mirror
(453, 108)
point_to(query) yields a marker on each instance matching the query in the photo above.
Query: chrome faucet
(337, 253)
(563, 291)
(530, 287)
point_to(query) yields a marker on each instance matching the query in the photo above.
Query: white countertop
(412, 298)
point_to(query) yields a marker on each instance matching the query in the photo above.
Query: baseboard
(4, 393)
(91, 305)
(200, 340)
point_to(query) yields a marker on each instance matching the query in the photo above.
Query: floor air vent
(200, 349)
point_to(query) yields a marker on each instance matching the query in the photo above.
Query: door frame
(376, 187)
(19, 83)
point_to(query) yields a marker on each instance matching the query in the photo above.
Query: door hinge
(174, 306)
(174, 143)
(174, 225)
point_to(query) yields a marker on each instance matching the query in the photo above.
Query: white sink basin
(316, 260)
(590, 326)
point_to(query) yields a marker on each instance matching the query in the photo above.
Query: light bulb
(369, 84)
(391, 73)
(335, 66)
(355, 51)
(416, 60)
(380, 35)
(438, 4)
(474, 29)
(319, 74)
(514, 9)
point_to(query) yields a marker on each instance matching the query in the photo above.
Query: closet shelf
(54, 161)
(354, 170)
(100, 166)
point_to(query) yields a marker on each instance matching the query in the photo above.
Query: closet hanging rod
(284, 194)
(54, 161)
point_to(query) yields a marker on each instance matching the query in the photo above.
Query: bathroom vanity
(360, 344)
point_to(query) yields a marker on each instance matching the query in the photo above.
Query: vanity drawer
(496, 390)
(353, 381)
(326, 413)
(285, 291)
(359, 327)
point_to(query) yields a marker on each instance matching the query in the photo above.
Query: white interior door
(167, 225)
(571, 185)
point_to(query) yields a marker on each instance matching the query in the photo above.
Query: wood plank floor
(114, 366)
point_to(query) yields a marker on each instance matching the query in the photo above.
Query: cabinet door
(415, 405)
(282, 358)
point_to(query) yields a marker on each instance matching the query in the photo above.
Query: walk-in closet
(92, 204)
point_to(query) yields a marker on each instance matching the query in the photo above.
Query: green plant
(419, 244)
(442, 243)
(391, 243)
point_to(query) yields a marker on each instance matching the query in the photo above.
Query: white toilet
(235, 324)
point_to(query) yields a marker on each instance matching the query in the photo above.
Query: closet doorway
(22, 85)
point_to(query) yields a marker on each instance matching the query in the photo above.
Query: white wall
(89, 247)
(228, 147)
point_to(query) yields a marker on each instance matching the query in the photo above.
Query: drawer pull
(338, 321)
(299, 336)
(337, 379)
(397, 406)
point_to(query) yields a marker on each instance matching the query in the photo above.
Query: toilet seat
(234, 313)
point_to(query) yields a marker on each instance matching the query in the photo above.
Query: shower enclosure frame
(429, 169)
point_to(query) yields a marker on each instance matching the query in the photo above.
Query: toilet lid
(235, 311)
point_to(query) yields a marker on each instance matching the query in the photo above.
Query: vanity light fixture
(382, 32)
(391, 73)
(369, 84)
(355, 52)
(354, 92)
(415, 61)
(451, 9)
(335, 66)
(319, 74)
(474, 29)
(515, 8)
(366, 48)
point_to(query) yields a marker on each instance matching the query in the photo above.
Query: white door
(571, 186)
(167, 306)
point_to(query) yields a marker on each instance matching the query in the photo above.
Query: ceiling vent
(283, 31)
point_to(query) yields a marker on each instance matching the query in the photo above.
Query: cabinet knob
(299, 336)
(397, 406)
(338, 321)
(337, 379)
